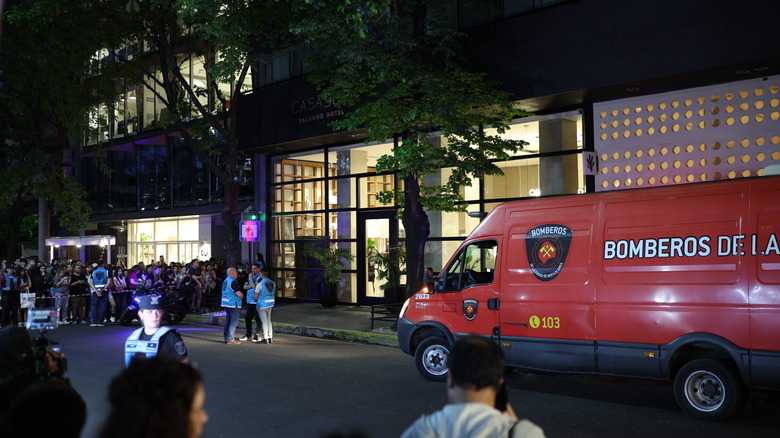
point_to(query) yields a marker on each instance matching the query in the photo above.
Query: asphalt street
(309, 387)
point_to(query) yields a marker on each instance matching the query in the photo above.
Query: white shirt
(470, 420)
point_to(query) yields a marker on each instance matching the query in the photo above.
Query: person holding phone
(478, 397)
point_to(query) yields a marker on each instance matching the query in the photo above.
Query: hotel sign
(284, 113)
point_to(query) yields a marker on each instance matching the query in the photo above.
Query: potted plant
(331, 260)
(388, 268)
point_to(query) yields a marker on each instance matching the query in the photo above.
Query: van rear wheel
(708, 390)
(431, 358)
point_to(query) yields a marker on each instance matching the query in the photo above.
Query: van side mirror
(438, 284)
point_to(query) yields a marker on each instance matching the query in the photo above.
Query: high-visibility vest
(149, 348)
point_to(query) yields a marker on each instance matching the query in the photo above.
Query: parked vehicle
(679, 283)
(176, 305)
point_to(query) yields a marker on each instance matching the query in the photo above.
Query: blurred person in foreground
(156, 398)
(478, 399)
(32, 381)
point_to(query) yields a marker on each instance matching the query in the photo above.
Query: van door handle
(493, 303)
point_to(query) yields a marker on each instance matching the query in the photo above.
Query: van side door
(548, 318)
(468, 289)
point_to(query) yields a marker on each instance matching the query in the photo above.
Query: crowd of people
(94, 292)
(160, 394)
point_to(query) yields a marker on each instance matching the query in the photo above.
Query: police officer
(153, 339)
(231, 301)
(98, 285)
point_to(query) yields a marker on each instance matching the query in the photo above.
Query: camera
(50, 362)
(42, 319)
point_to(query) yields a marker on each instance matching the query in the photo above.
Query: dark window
(190, 176)
(122, 190)
(96, 183)
(154, 182)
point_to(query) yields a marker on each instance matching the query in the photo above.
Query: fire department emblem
(547, 247)
(470, 309)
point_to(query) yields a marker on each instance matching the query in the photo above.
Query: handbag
(27, 300)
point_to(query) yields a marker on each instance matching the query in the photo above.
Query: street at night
(308, 387)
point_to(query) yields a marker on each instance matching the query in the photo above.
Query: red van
(678, 282)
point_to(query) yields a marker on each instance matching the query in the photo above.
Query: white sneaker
(112, 319)
(243, 339)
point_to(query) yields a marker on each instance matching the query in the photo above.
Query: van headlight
(404, 307)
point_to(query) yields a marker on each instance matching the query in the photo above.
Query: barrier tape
(80, 295)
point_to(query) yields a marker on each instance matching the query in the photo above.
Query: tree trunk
(230, 217)
(418, 228)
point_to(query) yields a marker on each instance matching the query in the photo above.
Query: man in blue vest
(251, 305)
(231, 301)
(98, 285)
(153, 339)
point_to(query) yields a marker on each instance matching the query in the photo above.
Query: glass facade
(178, 239)
(331, 193)
(152, 176)
(138, 107)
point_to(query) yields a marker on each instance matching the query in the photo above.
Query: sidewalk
(343, 323)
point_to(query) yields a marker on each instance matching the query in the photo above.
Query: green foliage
(29, 227)
(331, 259)
(71, 204)
(398, 67)
(51, 79)
(387, 266)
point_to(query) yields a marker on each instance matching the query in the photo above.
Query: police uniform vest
(229, 297)
(100, 277)
(135, 345)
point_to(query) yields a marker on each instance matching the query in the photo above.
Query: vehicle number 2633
(552, 322)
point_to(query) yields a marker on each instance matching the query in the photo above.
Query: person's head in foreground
(156, 398)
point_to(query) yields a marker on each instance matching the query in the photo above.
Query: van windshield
(474, 265)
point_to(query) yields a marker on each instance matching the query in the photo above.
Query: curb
(313, 332)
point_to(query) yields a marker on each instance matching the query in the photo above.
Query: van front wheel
(431, 358)
(708, 390)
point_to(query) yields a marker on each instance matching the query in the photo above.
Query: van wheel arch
(698, 350)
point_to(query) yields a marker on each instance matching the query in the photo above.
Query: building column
(558, 174)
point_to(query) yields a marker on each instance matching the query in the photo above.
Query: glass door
(377, 236)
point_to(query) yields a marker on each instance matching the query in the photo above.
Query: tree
(397, 67)
(228, 36)
(48, 46)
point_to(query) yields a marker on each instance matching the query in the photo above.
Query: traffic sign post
(249, 231)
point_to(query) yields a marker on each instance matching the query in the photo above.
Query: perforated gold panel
(701, 134)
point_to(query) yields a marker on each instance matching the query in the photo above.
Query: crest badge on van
(470, 309)
(547, 247)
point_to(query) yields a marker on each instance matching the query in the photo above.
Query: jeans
(61, 304)
(251, 315)
(11, 304)
(120, 299)
(265, 316)
(197, 299)
(232, 315)
(97, 307)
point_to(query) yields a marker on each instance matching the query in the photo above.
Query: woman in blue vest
(152, 339)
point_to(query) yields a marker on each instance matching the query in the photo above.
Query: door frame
(362, 243)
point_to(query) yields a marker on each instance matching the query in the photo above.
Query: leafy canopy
(397, 67)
